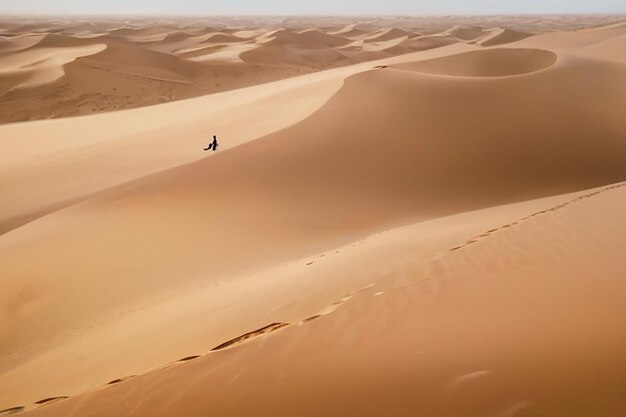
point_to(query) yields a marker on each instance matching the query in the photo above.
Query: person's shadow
(213, 145)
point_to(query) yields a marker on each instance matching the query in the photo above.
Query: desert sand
(404, 217)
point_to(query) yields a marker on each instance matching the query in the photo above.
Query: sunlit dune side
(605, 50)
(385, 35)
(488, 63)
(465, 33)
(497, 36)
(183, 41)
(578, 38)
(349, 31)
(220, 54)
(424, 42)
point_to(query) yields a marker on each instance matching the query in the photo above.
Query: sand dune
(349, 31)
(465, 33)
(169, 62)
(438, 230)
(19, 43)
(421, 43)
(38, 66)
(145, 34)
(499, 36)
(228, 57)
(438, 334)
(386, 35)
(289, 48)
(308, 48)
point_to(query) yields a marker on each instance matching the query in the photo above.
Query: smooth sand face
(423, 222)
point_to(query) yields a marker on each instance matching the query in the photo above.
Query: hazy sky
(324, 7)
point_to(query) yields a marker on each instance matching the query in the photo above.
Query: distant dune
(399, 219)
(174, 60)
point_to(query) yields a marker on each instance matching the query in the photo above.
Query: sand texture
(404, 217)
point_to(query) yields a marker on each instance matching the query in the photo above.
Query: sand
(426, 220)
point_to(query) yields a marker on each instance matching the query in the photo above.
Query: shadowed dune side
(275, 53)
(465, 33)
(127, 59)
(349, 31)
(385, 34)
(178, 42)
(316, 38)
(428, 42)
(20, 42)
(290, 48)
(143, 33)
(499, 36)
(38, 65)
(501, 327)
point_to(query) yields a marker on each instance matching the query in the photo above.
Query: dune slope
(433, 345)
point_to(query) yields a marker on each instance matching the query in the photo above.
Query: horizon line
(380, 16)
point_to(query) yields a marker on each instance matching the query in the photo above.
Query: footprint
(308, 319)
(118, 380)
(309, 263)
(11, 410)
(367, 287)
(334, 306)
(244, 337)
(467, 378)
(516, 409)
(51, 400)
(189, 358)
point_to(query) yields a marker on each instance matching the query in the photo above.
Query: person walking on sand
(212, 145)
